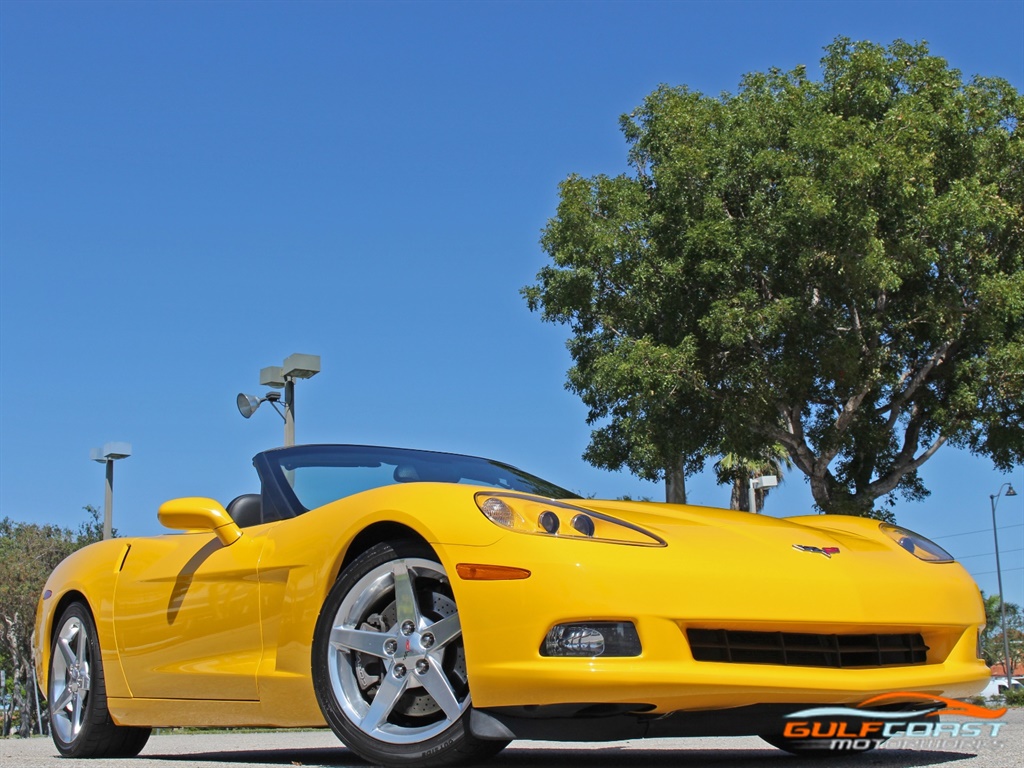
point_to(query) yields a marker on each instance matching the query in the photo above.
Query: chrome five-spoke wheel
(69, 679)
(80, 722)
(388, 661)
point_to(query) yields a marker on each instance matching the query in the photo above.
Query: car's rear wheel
(389, 666)
(80, 723)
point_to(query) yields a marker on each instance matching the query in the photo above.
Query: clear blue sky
(192, 191)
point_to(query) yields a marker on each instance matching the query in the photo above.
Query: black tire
(389, 628)
(80, 723)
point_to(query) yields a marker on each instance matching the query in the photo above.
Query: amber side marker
(478, 572)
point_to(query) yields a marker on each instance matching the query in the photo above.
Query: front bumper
(665, 591)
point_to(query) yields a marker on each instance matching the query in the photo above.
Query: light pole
(756, 484)
(108, 454)
(295, 367)
(994, 498)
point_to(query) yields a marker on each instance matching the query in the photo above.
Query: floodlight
(281, 377)
(111, 452)
(301, 366)
(247, 404)
(765, 481)
(272, 376)
(756, 484)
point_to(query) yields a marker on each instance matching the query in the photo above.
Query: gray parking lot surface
(321, 748)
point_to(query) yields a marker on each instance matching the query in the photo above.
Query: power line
(983, 530)
(986, 573)
(990, 554)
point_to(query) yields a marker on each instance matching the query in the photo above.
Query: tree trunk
(675, 484)
(738, 498)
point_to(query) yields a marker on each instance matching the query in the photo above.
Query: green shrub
(1014, 698)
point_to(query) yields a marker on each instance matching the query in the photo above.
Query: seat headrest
(246, 509)
(406, 473)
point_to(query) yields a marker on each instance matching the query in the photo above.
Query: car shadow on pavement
(616, 757)
(601, 757)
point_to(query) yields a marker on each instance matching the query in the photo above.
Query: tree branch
(791, 438)
(896, 405)
(844, 420)
(888, 483)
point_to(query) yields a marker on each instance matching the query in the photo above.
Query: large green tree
(832, 266)
(28, 553)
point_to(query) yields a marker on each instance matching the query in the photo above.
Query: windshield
(320, 474)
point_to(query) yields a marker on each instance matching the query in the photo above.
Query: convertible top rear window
(319, 474)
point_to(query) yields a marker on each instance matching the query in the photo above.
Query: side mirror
(194, 513)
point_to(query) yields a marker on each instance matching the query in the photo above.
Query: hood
(757, 567)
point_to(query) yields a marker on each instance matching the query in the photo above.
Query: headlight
(533, 514)
(915, 544)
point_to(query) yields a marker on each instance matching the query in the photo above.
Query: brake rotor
(415, 702)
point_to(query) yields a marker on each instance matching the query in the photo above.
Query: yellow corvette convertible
(431, 607)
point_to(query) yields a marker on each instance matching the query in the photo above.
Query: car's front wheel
(389, 666)
(80, 723)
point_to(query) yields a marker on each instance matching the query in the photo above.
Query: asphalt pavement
(321, 748)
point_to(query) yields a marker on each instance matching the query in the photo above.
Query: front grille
(800, 649)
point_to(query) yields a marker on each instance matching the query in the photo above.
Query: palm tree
(739, 470)
(992, 648)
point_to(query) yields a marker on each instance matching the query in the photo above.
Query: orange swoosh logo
(951, 706)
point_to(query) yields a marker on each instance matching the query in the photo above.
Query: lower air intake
(799, 649)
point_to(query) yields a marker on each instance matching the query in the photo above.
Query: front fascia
(665, 591)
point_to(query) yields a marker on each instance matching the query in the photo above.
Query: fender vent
(799, 649)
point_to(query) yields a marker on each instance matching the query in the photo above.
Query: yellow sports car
(431, 607)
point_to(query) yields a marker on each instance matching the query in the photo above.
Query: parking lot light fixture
(757, 484)
(296, 366)
(108, 454)
(1007, 664)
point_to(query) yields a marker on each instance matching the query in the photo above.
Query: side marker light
(481, 572)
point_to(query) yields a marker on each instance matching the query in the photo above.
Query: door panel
(187, 617)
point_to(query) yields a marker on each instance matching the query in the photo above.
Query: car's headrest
(246, 510)
(406, 473)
